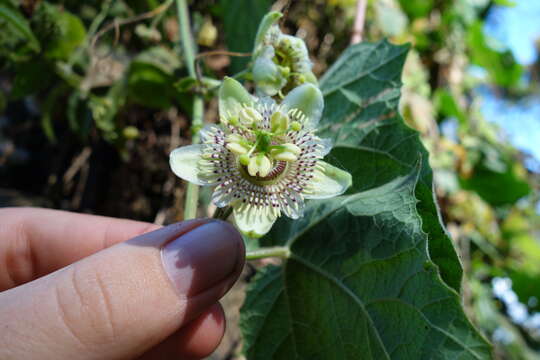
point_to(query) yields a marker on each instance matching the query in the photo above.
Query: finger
(196, 340)
(123, 300)
(35, 242)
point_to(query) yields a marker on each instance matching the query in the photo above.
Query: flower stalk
(281, 252)
(222, 213)
(186, 40)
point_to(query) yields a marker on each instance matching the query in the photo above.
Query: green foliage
(359, 268)
(151, 78)
(241, 19)
(501, 66)
(31, 76)
(488, 184)
(447, 106)
(416, 8)
(15, 22)
(372, 274)
(60, 31)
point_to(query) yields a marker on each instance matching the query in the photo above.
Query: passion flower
(263, 158)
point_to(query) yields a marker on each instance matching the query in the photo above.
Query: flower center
(278, 170)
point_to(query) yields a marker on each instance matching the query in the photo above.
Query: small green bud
(234, 121)
(130, 132)
(244, 159)
(296, 126)
(285, 71)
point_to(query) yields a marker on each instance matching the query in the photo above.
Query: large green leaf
(361, 99)
(359, 281)
(240, 35)
(69, 34)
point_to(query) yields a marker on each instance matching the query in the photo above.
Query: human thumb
(124, 300)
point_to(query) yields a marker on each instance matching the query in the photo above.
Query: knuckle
(86, 308)
(19, 260)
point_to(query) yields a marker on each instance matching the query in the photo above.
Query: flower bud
(269, 77)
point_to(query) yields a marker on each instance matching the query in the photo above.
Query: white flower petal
(209, 131)
(309, 100)
(254, 221)
(328, 181)
(184, 160)
(232, 97)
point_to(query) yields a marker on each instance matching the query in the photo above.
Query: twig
(77, 164)
(81, 185)
(285, 12)
(198, 71)
(115, 24)
(358, 28)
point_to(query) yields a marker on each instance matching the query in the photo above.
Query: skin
(76, 286)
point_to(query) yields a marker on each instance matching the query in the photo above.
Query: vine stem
(276, 251)
(358, 28)
(188, 47)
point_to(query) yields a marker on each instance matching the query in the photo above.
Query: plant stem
(186, 39)
(222, 213)
(276, 251)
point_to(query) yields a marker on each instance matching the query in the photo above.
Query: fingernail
(202, 257)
